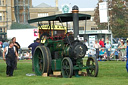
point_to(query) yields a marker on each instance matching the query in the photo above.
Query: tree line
(118, 18)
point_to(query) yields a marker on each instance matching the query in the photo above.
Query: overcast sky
(79, 3)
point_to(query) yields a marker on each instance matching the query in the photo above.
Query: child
(105, 55)
(101, 55)
(116, 54)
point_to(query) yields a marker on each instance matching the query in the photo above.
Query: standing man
(107, 40)
(127, 56)
(11, 54)
(33, 46)
(122, 48)
(108, 49)
(17, 46)
(101, 42)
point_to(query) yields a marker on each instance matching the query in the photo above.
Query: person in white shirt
(27, 56)
(96, 46)
(108, 49)
(92, 52)
(86, 43)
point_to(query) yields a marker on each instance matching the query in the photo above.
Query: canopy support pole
(61, 21)
(50, 28)
(39, 25)
(53, 29)
(67, 26)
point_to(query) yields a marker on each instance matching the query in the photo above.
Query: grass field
(110, 73)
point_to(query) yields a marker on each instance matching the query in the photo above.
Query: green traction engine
(65, 54)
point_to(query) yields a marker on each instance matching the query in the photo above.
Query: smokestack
(75, 11)
(56, 3)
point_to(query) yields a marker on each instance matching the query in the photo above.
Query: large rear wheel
(49, 60)
(42, 60)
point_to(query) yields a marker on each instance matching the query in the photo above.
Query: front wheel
(93, 66)
(67, 67)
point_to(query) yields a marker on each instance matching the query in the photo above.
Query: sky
(79, 3)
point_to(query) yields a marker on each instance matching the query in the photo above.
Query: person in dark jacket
(127, 56)
(11, 54)
(32, 47)
(17, 46)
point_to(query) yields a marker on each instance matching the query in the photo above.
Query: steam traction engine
(65, 53)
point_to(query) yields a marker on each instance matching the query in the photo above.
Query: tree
(118, 17)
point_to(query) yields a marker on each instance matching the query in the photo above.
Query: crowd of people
(103, 50)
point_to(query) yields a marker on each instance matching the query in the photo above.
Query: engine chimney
(75, 11)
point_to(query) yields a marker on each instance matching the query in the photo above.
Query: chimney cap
(75, 7)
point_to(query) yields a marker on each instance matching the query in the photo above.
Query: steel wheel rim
(91, 71)
(38, 62)
(67, 68)
(92, 65)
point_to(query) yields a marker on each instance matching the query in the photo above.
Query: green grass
(110, 73)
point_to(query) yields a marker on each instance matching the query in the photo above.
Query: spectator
(105, 55)
(27, 56)
(107, 40)
(17, 46)
(101, 42)
(1, 48)
(1, 44)
(86, 43)
(116, 54)
(5, 44)
(11, 54)
(92, 52)
(119, 42)
(102, 52)
(96, 46)
(33, 46)
(108, 49)
(127, 56)
(122, 50)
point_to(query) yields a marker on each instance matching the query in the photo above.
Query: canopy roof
(61, 17)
